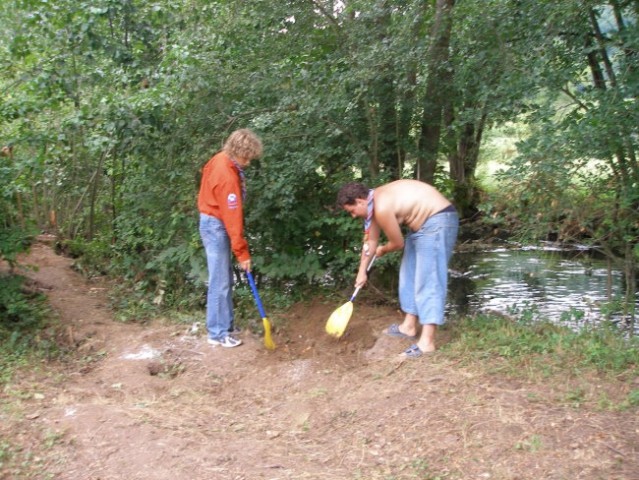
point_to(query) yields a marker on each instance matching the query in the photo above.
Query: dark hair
(350, 192)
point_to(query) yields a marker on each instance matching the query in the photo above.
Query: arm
(229, 194)
(367, 255)
(389, 224)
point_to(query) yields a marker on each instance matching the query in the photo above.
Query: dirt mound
(156, 402)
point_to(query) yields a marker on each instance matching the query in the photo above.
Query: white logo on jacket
(231, 201)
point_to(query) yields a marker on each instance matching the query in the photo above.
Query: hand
(361, 280)
(246, 265)
(380, 251)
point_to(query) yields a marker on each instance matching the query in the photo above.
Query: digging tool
(337, 322)
(268, 341)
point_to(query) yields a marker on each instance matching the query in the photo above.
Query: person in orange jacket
(220, 203)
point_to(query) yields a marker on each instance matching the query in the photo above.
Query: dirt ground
(155, 402)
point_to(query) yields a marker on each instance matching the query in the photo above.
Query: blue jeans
(423, 274)
(219, 299)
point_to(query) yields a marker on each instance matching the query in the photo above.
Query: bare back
(411, 201)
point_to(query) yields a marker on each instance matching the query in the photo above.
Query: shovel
(337, 322)
(268, 341)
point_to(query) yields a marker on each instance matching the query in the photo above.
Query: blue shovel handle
(256, 295)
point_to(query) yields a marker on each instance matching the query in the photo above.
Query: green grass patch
(543, 347)
(18, 462)
(23, 323)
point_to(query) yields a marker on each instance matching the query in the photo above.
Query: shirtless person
(423, 274)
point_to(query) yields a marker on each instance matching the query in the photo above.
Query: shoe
(412, 352)
(227, 341)
(393, 331)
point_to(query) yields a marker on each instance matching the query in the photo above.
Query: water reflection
(567, 286)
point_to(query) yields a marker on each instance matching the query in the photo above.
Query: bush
(21, 311)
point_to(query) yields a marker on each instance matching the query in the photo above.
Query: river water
(564, 286)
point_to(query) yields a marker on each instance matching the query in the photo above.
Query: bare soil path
(155, 402)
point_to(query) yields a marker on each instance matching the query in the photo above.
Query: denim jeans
(219, 297)
(423, 274)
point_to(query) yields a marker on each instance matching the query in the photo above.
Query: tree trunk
(436, 91)
(602, 48)
(595, 69)
(382, 107)
(630, 270)
(463, 163)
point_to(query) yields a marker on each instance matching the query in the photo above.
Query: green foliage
(19, 462)
(274, 300)
(633, 398)
(13, 241)
(576, 175)
(543, 345)
(114, 106)
(23, 318)
(133, 302)
(21, 312)
(90, 258)
(606, 349)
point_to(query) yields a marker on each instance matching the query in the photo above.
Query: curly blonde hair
(243, 143)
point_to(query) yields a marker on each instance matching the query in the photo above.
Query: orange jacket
(221, 197)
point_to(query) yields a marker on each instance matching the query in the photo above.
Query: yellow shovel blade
(338, 320)
(268, 340)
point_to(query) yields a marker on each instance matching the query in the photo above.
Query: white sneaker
(227, 341)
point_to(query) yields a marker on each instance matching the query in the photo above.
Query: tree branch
(574, 98)
(323, 11)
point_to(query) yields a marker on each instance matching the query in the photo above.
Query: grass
(543, 349)
(531, 444)
(543, 344)
(25, 336)
(19, 462)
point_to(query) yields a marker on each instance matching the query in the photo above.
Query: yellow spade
(268, 340)
(338, 321)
